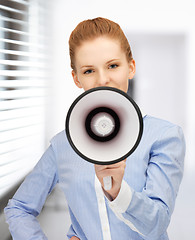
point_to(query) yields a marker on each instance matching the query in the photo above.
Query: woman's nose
(103, 79)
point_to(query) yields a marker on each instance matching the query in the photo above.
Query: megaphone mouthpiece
(102, 124)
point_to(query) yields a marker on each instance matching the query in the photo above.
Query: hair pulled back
(93, 28)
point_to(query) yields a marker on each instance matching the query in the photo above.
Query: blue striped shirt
(143, 208)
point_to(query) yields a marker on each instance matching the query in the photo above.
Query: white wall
(163, 41)
(160, 81)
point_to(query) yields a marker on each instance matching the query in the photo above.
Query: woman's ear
(132, 69)
(75, 78)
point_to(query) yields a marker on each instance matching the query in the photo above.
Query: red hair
(92, 28)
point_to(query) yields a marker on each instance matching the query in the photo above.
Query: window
(23, 81)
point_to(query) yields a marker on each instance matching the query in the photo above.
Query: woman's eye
(113, 66)
(88, 71)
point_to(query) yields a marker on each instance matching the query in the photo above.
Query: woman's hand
(116, 171)
(74, 238)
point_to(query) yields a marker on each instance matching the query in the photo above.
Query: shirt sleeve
(26, 204)
(149, 212)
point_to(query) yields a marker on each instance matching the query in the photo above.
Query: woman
(144, 186)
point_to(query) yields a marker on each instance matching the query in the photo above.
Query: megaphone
(104, 125)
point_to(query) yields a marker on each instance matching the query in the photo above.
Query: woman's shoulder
(158, 122)
(59, 139)
(154, 126)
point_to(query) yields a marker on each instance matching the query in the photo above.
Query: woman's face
(102, 62)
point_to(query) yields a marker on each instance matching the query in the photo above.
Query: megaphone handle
(107, 182)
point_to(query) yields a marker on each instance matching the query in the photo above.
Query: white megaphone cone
(104, 126)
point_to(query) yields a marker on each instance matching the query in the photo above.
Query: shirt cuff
(122, 201)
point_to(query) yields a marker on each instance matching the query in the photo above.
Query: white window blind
(23, 78)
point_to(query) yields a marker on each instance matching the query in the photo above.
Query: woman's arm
(26, 204)
(149, 212)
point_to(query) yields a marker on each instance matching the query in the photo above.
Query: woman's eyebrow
(90, 66)
(86, 66)
(112, 60)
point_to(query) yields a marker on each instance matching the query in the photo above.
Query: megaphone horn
(104, 125)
